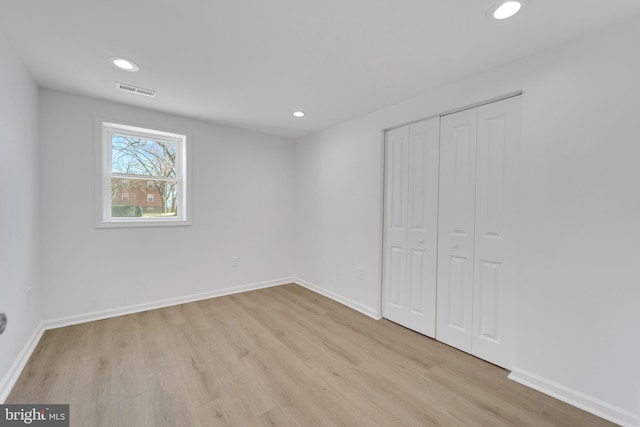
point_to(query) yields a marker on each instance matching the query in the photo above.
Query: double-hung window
(143, 179)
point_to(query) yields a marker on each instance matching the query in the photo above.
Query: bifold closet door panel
(494, 299)
(411, 215)
(395, 219)
(456, 232)
(422, 236)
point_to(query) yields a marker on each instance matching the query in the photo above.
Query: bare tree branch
(148, 159)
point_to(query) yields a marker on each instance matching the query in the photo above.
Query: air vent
(134, 89)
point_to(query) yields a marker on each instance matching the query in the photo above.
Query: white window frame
(105, 130)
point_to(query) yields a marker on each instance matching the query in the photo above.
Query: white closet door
(422, 237)
(456, 229)
(494, 299)
(395, 218)
(411, 196)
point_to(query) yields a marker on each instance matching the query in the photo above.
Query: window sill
(144, 223)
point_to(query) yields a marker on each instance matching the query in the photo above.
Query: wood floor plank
(91, 394)
(310, 322)
(128, 371)
(309, 391)
(204, 383)
(168, 398)
(156, 338)
(194, 315)
(281, 356)
(225, 411)
(359, 392)
(286, 332)
(263, 372)
(281, 416)
(36, 371)
(246, 389)
(129, 412)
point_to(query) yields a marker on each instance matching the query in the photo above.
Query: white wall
(242, 205)
(579, 279)
(338, 214)
(19, 229)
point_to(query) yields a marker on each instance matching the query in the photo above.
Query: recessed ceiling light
(123, 64)
(298, 114)
(507, 10)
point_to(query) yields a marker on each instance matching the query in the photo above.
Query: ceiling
(252, 63)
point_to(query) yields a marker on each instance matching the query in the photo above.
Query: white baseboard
(339, 298)
(10, 378)
(137, 308)
(575, 398)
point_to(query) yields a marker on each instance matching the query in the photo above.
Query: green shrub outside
(125, 211)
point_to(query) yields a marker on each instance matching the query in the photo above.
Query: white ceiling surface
(251, 63)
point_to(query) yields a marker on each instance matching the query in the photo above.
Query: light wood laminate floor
(282, 356)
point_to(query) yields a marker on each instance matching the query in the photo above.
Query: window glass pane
(137, 198)
(138, 156)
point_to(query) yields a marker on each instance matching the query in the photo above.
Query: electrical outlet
(360, 273)
(235, 263)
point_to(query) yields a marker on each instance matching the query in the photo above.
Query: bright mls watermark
(34, 415)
